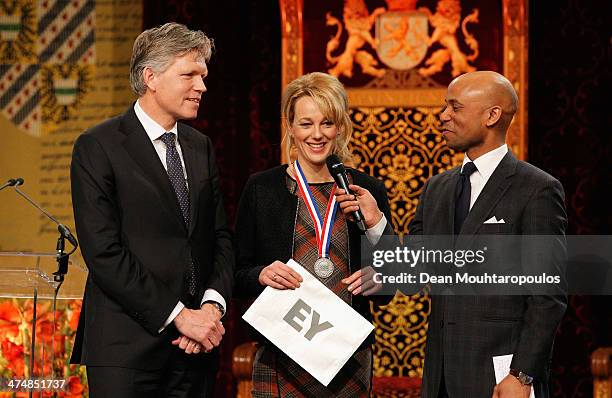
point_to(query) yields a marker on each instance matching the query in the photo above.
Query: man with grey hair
(491, 193)
(150, 218)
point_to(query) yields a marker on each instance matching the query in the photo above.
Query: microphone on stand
(64, 231)
(338, 172)
(11, 183)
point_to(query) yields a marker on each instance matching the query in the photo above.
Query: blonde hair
(331, 98)
(156, 48)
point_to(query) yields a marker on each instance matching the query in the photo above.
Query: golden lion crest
(445, 23)
(402, 39)
(358, 23)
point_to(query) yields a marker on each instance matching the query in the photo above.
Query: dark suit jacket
(465, 332)
(265, 225)
(136, 244)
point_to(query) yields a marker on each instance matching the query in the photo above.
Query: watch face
(525, 379)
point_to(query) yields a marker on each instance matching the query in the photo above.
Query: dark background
(570, 120)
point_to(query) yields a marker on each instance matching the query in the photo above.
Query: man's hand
(362, 199)
(191, 346)
(362, 282)
(203, 326)
(510, 387)
(212, 310)
(188, 345)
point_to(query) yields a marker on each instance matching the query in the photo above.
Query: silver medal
(324, 267)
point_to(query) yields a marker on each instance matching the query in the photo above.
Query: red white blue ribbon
(323, 226)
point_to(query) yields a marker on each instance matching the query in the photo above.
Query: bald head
(479, 109)
(489, 89)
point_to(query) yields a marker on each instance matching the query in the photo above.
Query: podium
(30, 332)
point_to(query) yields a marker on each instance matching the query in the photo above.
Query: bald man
(491, 193)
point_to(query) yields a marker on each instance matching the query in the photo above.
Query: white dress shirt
(373, 234)
(485, 165)
(155, 131)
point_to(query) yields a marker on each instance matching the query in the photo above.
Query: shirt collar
(487, 163)
(153, 129)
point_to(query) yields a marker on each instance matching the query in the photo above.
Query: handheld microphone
(338, 172)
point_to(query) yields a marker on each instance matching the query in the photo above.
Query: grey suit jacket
(465, 332)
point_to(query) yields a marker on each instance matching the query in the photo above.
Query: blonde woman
(275, 224)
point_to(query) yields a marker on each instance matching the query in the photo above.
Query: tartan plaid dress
(274, 373)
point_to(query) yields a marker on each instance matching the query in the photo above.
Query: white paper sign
(312, 325)
(501, 365)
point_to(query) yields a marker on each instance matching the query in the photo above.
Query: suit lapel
(191, 158)
(139, 147)
(286, 219)
(493, 191)
(450, 191)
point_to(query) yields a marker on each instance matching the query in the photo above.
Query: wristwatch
(217, 305)
(523, 378)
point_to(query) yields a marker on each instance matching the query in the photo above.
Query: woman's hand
(362, 282)
(362, 199)
(280, 276)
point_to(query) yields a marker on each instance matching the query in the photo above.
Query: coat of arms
(46, 56)
(402, 39)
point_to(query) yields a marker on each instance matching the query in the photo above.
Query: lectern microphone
(64, 232)
(13, 182)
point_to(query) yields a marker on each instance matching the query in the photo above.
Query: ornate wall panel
(395, 58)
(401, 329)
(401, 146)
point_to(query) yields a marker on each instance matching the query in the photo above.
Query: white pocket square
(494, 220)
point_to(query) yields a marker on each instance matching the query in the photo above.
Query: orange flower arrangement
(54, 336)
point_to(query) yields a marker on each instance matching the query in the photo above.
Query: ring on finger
(274, 277)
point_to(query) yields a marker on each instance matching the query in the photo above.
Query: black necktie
(463, 195)
(176, 174)
(177, 178)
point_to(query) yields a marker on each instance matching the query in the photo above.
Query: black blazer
(465, 332)
(265, 223)
(136, 244)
